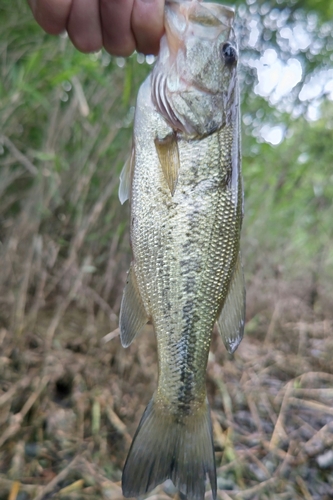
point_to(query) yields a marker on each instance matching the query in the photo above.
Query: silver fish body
(186, 216)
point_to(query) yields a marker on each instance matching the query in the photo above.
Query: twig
(21, 384)
(18, 323)
(110, 336)
(312, 405)
(250, 492)
(276, 451)
(302, 332)
(222, 494)
(38, 300)
(310, 377)
(268, 406)
(80, 235)
(52, 123)
(77, 485)
(226, 399)
(17, 419)
(20, 157)
(61, 309)
(271, 327)
(56, 480)
(304, 490)
(14, 491)
(219, 436)
(16, 469)
(108, 281)
(83, 179)
(254, 411)
(322, 439)
(117, 423)
(303, 425)
(101, 480)
(6, 485)
(3, 333)
(315, 393)
(260, 465)
(83, 105)
(279, 431)
(288, 459)
(101, 303)
(163, 496)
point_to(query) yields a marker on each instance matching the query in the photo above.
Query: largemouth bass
(185, 189)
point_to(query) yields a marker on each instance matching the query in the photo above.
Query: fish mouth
(202, 20)
(208, 14)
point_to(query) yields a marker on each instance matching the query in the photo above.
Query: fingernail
(148, 1)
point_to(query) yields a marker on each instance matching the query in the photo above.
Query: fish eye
(229, 54)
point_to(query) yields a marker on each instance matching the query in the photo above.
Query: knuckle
(85, 44)
(119, 49)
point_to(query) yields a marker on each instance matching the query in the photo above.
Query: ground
(71, 398)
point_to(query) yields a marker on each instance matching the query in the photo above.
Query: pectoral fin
(125, 179)
(133, 316)
(230, 323)
(167, 150)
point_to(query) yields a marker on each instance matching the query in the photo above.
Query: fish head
(194, 82)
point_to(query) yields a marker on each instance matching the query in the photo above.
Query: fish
(184, 183)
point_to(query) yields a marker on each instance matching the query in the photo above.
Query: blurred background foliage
(66, 123)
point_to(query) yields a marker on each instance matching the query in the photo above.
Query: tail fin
(165, 447)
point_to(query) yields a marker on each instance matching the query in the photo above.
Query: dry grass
(70, 406)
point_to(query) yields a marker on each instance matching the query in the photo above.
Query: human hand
(120, 26)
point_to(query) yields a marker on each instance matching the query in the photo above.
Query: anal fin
(231, 320)
(168, 154)
(133, 316)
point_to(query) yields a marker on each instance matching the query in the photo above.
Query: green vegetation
(65, 135)
(70, 396)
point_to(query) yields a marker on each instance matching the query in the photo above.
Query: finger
(52, 15)
(84, 26)
(148, 25)
(115, 15)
